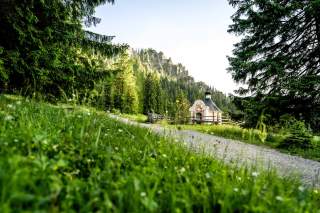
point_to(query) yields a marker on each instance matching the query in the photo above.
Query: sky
(191, 32)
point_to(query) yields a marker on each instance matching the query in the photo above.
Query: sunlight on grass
(56, 159)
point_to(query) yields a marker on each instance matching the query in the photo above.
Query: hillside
(177, 76)
(72, 158)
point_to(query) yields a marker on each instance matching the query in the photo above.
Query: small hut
(205, 111)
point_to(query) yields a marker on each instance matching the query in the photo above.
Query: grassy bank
(79, 160)
(254, 136)
(135, 117)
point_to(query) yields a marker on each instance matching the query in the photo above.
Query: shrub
(298, 136)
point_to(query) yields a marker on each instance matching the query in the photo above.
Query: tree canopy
(278, 57)
(45, 49)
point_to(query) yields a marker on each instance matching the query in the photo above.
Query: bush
(298, 136)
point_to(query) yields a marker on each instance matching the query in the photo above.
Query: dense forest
(150, 82)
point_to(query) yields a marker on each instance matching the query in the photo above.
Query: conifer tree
(278, 57)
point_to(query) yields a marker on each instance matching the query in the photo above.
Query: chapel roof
(208, 102)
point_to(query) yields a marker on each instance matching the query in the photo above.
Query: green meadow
(77, 159)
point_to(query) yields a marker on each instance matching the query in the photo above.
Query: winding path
(242, 153)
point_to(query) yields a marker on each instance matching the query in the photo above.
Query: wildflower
(164, 155)
(116, 148)
(16, 140)
(55, 147)
(208, 175)
(279, 198)
(8, 118)
(255, 174)
(120, 130)
(238, 178)
(301, 188)
(315, 191)
(143, 194)
(182, 170)
(88, 113)
(235, 189)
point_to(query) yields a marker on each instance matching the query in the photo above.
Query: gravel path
(242, 153)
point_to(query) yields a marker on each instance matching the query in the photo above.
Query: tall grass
(56, 159)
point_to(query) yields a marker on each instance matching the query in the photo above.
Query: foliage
(278, 58)
(152, 98)
(262, 127)
(45, 49)
(174, 79)
(75, 159)
(182, 109)
(122, 91)
(298, 136)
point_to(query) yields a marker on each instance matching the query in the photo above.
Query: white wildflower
(279, 198)
(16, 140)
(182, 170)
(255, 174)
(120, 130)
(235, 189)
(8, 118)
(55, 147)
(143, 194)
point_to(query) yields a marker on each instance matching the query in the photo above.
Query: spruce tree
(278, 57)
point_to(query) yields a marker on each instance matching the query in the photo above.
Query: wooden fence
(153, 118)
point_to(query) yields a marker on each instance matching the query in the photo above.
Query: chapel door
(199, 117)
